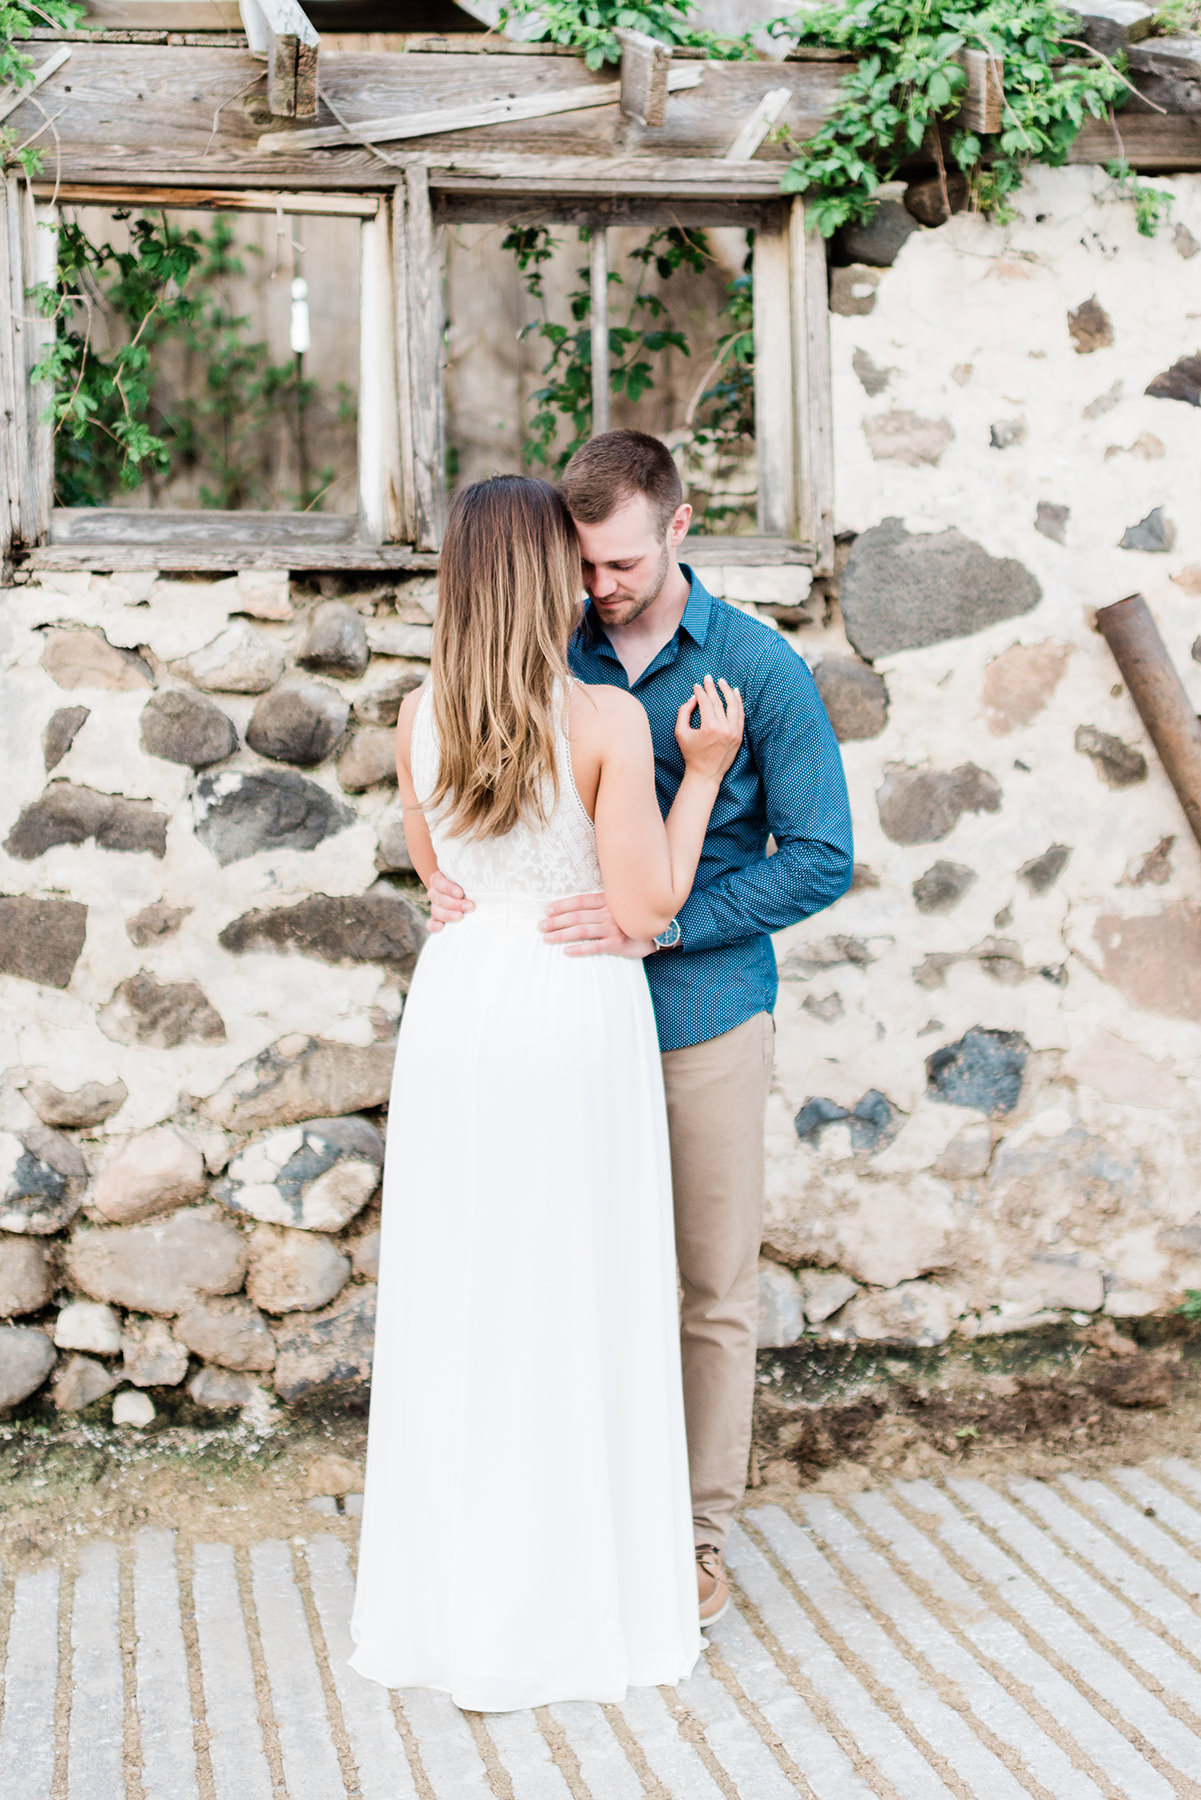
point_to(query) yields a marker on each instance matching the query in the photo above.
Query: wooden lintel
(982, 104)
(280, 30)
(227, 556)
(644, 77)
(84, 193)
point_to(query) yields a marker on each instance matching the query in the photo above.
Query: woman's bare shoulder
(408, 712)
(605, 711)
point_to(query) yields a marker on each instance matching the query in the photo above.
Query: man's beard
(634, 607)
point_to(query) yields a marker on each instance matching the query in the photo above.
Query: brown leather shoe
(713, 1590)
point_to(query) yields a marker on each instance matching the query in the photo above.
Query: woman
(527, 1533)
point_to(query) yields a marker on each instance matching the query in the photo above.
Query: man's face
(627, 558)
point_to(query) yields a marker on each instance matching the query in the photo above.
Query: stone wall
(987, 1094)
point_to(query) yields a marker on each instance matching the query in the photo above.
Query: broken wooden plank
(280, 30)
(982, 104)
(380, 507)
(501, 110)
(813, 459)
(598, 268)
(133, 525)
(423, 393)
(609, 175)
(83, 193)
(644, 70)
(756, 128)
(774, 435)
(13, 97)
(164, 15)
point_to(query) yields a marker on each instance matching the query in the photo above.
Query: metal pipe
(600, 330)
(1159, 695)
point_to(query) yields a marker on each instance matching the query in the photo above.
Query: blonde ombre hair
(509, 597)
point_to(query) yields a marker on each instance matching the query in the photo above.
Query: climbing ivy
(115, 427)
(1191, 1304)
(719, 425)
(591, 26)
(17, 66)
(906, 90)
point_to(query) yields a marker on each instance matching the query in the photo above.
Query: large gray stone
(913, 1312)
(1042, 872)
(79, 1108)
(295, 1271)
(877, 240)
(393, 855)
(921, 806)
(158, 1268)
(40, 940)
(336, 641)
(1110, 25)
(401, 637)
(298, 724)
(983, 1070)
(231, 1333)
(328, 1357)
(166, 1014)
(942, 886)
(222, 1390)
(303, 1078)
(365, 928)
(313, 1177)
(854, 696)
(186, 728)
(380, 705)
(76, 658)
(1155, 534)
(238, 814)
(26, 1278)
(42, 1180)
(369, 760)
(928, 198)
(60, 733)
(151, 1354)
(1181, 382)
(79, 1382)
(1119, 765)
(902, 592)
(240, 660)
(26, 1358)
(66, 814)
(151, 1173)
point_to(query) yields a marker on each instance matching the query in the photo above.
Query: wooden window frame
(402, 410)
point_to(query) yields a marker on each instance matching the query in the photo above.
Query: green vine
(907, 87)
(719, 427)
(17, 67)
(1190, 1306)
(116, 427)
(591, 26)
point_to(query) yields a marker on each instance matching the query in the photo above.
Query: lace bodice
(546, 862)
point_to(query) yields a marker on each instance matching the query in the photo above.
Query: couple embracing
(559, 1430)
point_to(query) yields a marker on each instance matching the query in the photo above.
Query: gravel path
(914, 1642)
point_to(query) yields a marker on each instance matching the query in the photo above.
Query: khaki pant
(716, 1098)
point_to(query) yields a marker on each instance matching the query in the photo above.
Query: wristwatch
(669, 937)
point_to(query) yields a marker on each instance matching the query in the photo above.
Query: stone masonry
(987, 1101)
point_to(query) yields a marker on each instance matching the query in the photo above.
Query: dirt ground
(829, 1418)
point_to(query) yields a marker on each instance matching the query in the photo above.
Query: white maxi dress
(527, 1532)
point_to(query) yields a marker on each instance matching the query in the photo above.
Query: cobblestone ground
(912, 1642)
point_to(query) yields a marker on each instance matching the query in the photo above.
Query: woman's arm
(648, 865)
(417, 836)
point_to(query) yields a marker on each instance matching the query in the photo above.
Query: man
(652, 628)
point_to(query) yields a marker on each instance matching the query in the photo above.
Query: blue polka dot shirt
(786, 783)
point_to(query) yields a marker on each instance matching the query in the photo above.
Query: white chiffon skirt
(527, 1532)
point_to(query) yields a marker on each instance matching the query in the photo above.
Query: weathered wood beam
(664, 178)
(228, 555)
(498, 111)
(12, 97)
(644, 77)
(280, 30)
(753, 131)
(598, 271)
(982, 105)
(163, 15)
(85, 193)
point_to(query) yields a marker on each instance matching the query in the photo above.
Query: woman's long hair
(509, 595)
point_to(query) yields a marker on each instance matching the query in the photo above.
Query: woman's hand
(710, 748)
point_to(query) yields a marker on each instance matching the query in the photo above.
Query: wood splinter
(280, 30)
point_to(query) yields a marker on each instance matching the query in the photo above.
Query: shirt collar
(695, 619)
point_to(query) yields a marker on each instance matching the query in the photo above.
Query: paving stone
(375, 927)
(315, 1176)
(88, 1325)
(336, 640)
(231, 1333)
(60, 733)
(151, 1355)
(78, 1108)
(148, 1174)
(369, 760)
(1090, 327)
(1119, 765)
(26, 1358)
(30, 1687)
(168, 1761)
(186, 728)
(26, 1277)
(239, 813)
(328, 1356)
(983, 1070)
(854, 696)
(301, 723)
(942, 886)
(160, 1267)
(922, 806)
(235, 1734)
(294, 1271)
(144, 1010)
(903, 591)
(310, 1762)
(154, 923)
(42, 1181)
(303, 1078)
(240, 660)
(79, 1381)
(66, 814)
(75, 658)
(40, 939)
(96, 1742)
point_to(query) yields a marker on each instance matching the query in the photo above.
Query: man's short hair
(610, 469)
